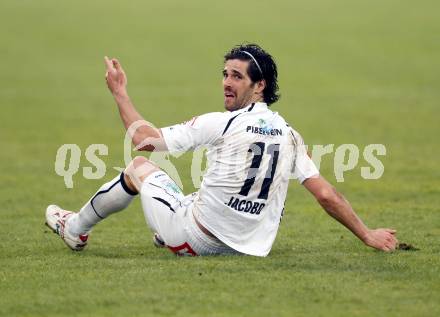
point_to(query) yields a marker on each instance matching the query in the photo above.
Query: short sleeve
(303, 167)
(201, 130)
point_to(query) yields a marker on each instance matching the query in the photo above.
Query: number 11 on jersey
(258, 150)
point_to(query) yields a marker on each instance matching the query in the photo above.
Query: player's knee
(139, 169)
(139, 160)
(139, 165)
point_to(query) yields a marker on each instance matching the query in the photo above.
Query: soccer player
(252, 153)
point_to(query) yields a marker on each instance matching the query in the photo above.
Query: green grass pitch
(357, 72)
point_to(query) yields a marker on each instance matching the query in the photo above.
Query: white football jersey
(252, 153)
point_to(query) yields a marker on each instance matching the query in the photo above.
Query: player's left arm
(339, 208)
(143, 134)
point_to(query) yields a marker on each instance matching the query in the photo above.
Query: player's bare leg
(137, 171)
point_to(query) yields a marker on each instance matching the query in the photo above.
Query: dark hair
(267, 65)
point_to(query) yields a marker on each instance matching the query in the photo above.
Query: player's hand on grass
(115, 76)
(381, 239)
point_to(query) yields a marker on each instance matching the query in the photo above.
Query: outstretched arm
(146, 137)
(339, 208)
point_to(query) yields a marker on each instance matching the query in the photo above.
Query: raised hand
(115, 76)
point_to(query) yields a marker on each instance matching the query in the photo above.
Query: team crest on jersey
(264, 128)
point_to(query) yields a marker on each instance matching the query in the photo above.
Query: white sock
(110, 198)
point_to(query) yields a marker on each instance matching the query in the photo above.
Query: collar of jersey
(254, 106)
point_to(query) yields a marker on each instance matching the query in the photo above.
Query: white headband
(255, 61)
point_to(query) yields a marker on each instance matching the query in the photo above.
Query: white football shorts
(168, 212)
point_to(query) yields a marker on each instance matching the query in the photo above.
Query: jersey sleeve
(201, 130)
(303, 167)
